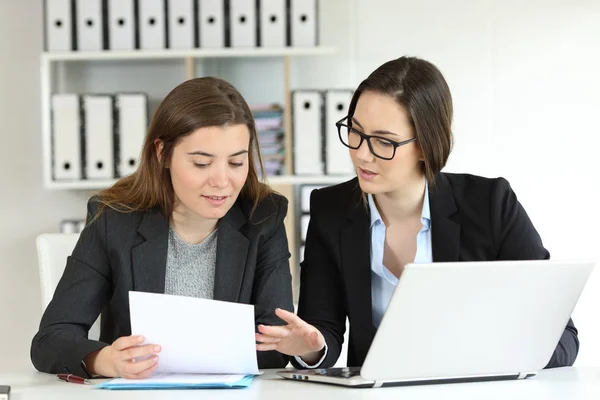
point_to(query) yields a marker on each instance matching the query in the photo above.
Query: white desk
(563, 383)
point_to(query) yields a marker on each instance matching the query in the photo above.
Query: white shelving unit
(50, 61)
(182, 54)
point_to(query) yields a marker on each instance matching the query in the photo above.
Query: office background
(525, 84)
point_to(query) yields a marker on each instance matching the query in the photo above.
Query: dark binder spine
(166, 8)
(105, 26)
(257, 6)
(196, 23)
(227, 22)
(82, 140)
(137, 24)
(288, 25)
(74, 44)
(323, 121)
(116, 130)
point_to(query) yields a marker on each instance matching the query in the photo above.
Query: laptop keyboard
(339, 372)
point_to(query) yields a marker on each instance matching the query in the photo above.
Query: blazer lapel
(356, 259)
(232, 251)
(445, 233)
(149, 259)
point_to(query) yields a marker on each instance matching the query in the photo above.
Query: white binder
(181, 24)
(98, 134)
(305, 192)
(59, 25)
(121, 24)
(132, 123)
(304, 220)
(273, 23)
(152, 24)
(303, 23)
(90, 25)
(242, 22)
(66, 137)
(211, 23)
(337, 156)
(307, 132)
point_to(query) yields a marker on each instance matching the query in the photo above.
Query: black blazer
(472, 219)
(120, 252)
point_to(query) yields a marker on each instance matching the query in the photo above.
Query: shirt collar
(425, 213)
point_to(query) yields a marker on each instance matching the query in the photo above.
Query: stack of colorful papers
(179, 381)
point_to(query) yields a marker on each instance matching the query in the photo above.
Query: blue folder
(145, 385)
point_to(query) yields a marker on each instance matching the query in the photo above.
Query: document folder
(273, 23)
(181, 24)
(99, 136)
(303, 23)
(307, 132)
(59, 25)
(211, 23)
(90, 25)
(66, 137)
(152, 24)
(337, 156)
(122, 24)
(132, 123)
(242, 23)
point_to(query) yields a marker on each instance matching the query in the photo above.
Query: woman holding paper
(193, 220)
(400, 209)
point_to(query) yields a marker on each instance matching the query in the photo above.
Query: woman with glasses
(400, 209)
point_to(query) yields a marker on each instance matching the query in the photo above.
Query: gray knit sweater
(191, 267)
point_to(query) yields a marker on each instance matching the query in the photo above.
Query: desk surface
(561, 383)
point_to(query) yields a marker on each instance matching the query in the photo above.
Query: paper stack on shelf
(269, 126)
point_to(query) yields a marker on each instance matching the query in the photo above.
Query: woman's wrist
(94, 364)
(313, 357)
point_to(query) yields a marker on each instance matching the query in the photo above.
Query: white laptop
(466, 321)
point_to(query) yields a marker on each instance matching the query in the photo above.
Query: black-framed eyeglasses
(381, 147)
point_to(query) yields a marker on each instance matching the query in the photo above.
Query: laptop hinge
(523, 375)
(377, 384)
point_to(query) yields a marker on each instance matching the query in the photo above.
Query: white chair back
(53, 250)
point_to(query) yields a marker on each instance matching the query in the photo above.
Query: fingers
(289, 317)
(140, 369)
(147, 373)
(127, 341)
(266, 346)
(274, 331)
(266, 338)
(139, 352)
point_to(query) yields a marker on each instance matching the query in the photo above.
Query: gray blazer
(120, 252)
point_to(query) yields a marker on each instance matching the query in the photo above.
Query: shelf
(194, 53)
(307, 180)
(272, 180)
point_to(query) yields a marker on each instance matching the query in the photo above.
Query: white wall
(524, 81)
(26, 209)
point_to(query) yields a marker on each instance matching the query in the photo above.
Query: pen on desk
(72, 378)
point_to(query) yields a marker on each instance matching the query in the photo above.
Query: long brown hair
(194, 104)
(419, 87)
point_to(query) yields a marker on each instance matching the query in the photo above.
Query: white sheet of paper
(197, 336)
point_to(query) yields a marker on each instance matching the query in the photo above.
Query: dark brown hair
(420, 88)
(194, 104)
